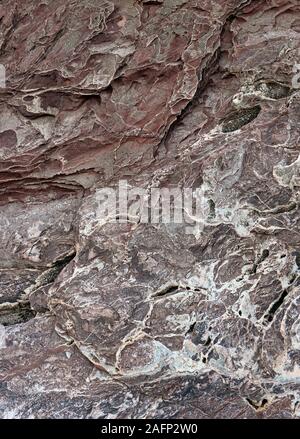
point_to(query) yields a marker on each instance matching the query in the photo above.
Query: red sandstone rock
(101, 320)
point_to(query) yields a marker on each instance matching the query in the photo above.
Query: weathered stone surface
(126, 320)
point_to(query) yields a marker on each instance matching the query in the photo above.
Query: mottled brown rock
(127, 320)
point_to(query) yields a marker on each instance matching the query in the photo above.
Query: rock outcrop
(107, 319)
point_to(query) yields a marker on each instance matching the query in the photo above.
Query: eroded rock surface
(126, 320)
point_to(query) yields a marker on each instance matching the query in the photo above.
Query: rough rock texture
(125, 320)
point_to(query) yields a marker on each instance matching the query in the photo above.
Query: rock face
(107, 319)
